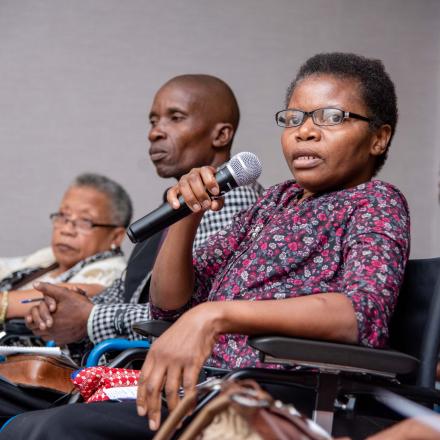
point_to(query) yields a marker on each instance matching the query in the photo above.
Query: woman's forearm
(89, 289)
(172, 280)
(326, 316)
(15, 307)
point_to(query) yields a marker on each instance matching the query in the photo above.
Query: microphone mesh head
(245, 167)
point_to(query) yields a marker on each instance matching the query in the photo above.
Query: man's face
(181, 129)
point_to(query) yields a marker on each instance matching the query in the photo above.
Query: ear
(380, 140)
(117, 236)
(222, 134)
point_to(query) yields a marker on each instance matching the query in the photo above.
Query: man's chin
(164, 172)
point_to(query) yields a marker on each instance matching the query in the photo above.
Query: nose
(68, 228)
(308, 131)
(156, 132)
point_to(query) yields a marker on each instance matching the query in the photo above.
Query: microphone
(244, 168)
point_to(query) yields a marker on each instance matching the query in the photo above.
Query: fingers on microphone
(172, 197)
(208, 177)
(193, 190)
(186, 186)
(217, 203)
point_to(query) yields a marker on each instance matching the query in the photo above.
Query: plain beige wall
(77, 79)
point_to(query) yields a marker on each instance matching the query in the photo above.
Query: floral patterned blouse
(353, 241)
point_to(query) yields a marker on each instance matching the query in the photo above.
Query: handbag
(38, 371)
(241, 411)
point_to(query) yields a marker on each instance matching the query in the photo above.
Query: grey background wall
(77, 79)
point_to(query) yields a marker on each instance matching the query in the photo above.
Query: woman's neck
(59, 270)
(305, 195)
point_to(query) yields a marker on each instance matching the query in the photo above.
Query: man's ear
(222, 134)
(381, 140)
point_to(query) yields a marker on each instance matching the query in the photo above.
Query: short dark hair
(120, 202)
(378, 91)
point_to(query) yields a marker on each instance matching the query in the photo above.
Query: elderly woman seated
(88, 229)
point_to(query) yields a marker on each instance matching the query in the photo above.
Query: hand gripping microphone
(244, 168)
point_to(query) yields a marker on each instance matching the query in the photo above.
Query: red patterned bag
(92, 381)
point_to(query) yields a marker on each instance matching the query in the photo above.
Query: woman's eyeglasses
(81, 224)
(322, 116)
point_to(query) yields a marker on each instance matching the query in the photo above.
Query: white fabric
(103, 272)
(41, 258)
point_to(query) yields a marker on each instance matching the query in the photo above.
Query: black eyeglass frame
(346, 115)
(59, 215)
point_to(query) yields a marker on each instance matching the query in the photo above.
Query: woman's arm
(15, 308)
(178, 355)
(18, 310)
(172, 281)
(323, 316)
(89, 289)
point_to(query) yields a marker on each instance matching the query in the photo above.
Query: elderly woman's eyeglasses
(80, 224)
(322, 116)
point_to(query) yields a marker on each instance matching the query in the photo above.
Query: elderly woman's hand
(175, 359)
(197, 188)
(62, 315)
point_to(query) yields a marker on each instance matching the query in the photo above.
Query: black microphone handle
(165, 215)
(157, 220)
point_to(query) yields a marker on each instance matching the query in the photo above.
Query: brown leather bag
(242, 411)
(39, 371)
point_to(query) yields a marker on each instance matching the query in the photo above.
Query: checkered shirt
(112, 318)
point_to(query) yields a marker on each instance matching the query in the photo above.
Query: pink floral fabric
(353, 241)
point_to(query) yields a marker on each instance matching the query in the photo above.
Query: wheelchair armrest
(334, 356)
(16, 327)
(113, 345)
(152, 327)
(127, 357)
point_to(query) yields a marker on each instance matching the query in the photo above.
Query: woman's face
(71, 245)
(331, 157)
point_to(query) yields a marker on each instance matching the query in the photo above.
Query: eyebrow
(84, 211)
(169, 111)
(176, 110)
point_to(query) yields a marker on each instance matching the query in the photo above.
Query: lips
(64, 248)
(306, 160)
(157, 155)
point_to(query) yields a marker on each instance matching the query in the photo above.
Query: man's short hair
(217, 91)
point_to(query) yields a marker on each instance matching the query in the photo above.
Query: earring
(112, 246)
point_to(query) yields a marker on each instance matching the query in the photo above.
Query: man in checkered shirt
(193, 121)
